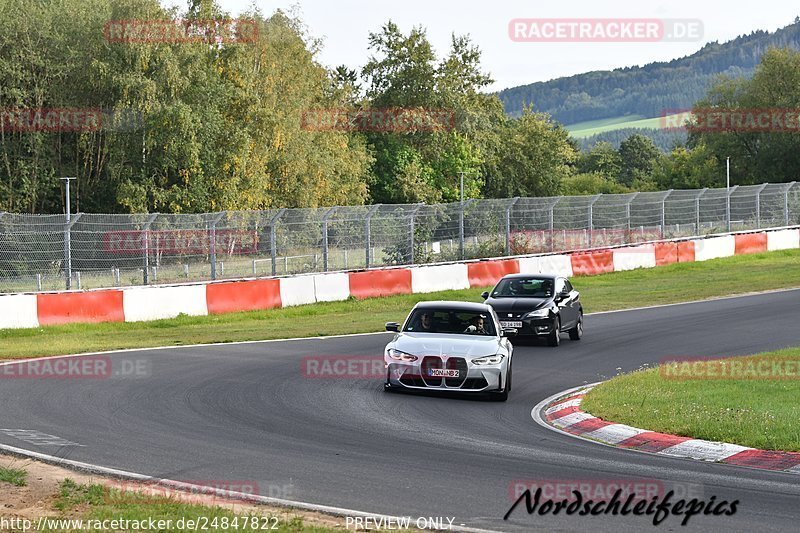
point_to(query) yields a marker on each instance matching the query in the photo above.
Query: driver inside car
(426, 323)
(477, 325)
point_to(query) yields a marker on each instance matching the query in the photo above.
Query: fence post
(368, 233)
(758, 205)
(628, 217)
(273, 246)
(786, 203)
(697, 208)
(591, 218)
(212, 245)
(330, 211)
(412, 215)
(551, 222)
(68, 247)
(146, 247)
(664, 213)
(508, 223)
(462, 206)
(728, 204)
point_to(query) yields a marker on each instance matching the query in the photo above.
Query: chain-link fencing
(49, 252)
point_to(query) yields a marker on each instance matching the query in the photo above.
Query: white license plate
(443, 373)
(511, 324)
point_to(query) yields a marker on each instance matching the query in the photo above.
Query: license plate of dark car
(511, 324)
(443, 373)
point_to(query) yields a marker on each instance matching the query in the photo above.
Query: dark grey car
(539, 305)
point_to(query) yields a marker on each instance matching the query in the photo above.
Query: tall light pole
(67, 236)
(728, 191)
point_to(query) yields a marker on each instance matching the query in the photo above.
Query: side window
(560, 285)
(568, 285)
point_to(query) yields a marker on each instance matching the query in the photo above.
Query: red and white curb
(562, 412)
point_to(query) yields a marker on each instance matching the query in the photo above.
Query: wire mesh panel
(42, 252)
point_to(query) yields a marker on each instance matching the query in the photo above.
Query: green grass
(13, 476)
(759, 413)
(582, 130)
(619, 290)
(95, 502)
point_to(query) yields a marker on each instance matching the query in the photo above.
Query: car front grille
(427, 364)
(460, 364)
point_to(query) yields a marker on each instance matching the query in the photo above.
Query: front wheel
(503, 395)
(576, 333)
(554, 339)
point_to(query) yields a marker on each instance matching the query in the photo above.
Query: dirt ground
(37, 498)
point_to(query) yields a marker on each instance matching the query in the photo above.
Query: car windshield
(524, 288)
(451, 321)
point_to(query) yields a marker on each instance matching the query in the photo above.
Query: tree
(639, 158)
(404, 72)
(602, 159)
(757, 156)
(536, 157)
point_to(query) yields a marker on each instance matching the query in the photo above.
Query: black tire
(502, 396)
(554, 339)
(576, 333)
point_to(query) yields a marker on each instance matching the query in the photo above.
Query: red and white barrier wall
(136, 304)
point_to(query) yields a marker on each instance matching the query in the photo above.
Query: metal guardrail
(44, 252)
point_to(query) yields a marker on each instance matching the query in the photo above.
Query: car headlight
(539, 313)
(489, 359)
(397, 355)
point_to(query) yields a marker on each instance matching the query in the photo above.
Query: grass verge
(96, 502)
(14, 476)
(759, 413)
(618, 290)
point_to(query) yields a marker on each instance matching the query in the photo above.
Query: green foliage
(14, 476)
(602, 159)
(536, 156)
(591, 183)
(220, 123)
(757, 157)
(639, 159)
(690, 169)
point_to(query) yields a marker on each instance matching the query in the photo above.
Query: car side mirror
(485, 295)
(392, 326)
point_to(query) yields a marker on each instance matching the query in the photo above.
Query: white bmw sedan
(450, 346)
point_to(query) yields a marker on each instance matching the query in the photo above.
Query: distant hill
(647, 91)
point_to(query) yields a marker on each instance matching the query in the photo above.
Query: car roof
(526, 276)
(456, 306)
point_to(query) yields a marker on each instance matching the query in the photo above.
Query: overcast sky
(345, 24)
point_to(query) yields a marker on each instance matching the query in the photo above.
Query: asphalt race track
(247, 412)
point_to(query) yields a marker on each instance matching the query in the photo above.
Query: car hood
(468, 346)
(517, 305)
